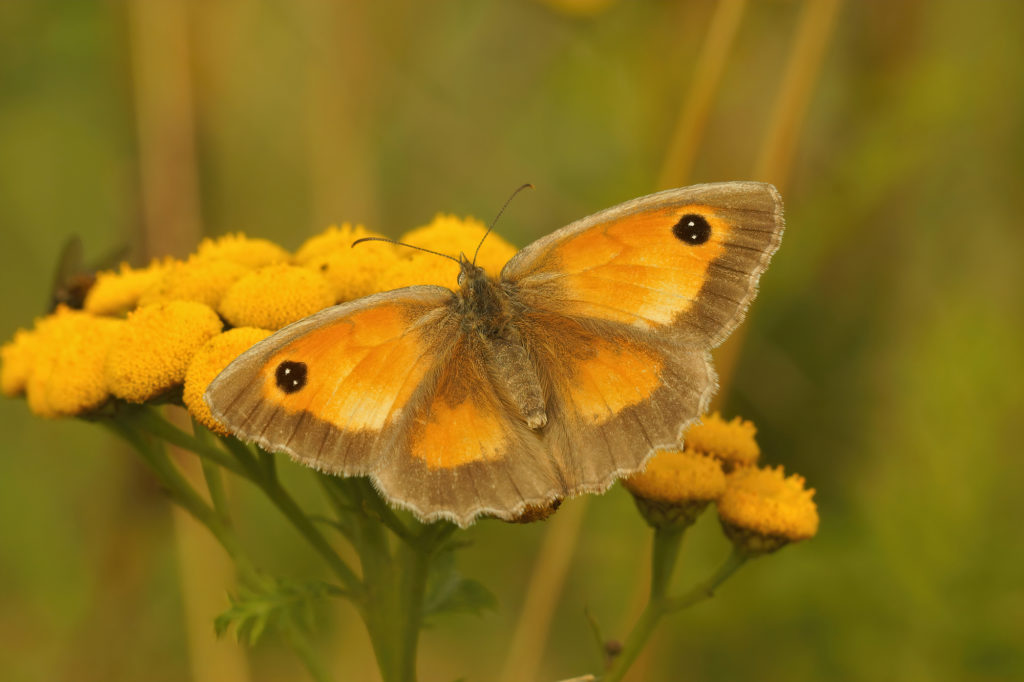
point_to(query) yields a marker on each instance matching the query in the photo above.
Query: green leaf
(272, 604)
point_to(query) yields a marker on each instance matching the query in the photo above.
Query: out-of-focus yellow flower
(252, 253)
(197, 279)
(451, 235)
(763, 509)
(17, 357)
(334, 238)
(117, 291)
(151, 352)
(66, 352)
(275, 296)
(208, 362)
(421, 268)
(676, 486)
(730, 441)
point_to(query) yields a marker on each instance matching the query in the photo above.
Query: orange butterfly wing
(333, 389)
(390, 387)
(640, 264)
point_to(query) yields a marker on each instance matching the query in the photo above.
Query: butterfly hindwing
(614, 395)
(463, 450)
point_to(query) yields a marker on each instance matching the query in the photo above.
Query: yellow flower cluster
(148, 332)
(760, 509)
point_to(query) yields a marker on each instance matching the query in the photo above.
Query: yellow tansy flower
(763, 509)
(212, 358)
(334, 238)
(730, 441)
(676, 486)
(451, 235)
(275, 296)
(237, 248)
(78, 382)
(117, 291)
(68, 352)
(151, 352)
(17, 357)
(421, 268)
(201, 280)
(353, 273)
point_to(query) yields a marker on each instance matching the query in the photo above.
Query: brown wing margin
(755, 218)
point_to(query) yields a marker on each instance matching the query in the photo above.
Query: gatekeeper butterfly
(586, 354)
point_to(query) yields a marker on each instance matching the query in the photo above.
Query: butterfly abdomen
(488, 316)
(513, 369)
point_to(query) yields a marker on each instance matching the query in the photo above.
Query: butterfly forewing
(684, 261)
(331, 389)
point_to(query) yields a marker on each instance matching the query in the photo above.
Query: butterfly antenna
(398, 243)
(495, 221)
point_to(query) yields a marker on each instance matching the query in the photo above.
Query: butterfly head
(469, 272)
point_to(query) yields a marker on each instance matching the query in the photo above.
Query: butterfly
(586, 354)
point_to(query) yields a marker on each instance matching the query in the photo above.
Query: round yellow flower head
(115, 292)
(252, 253)
(763, 509)
(151, 352)
(353, 273)
(421, 268)
(212, 358)
(66, 351)
(676, 487)
(197, 279)
(452, 235)
(332, 239)
(730, 441)
(275, 296)
(17, 357)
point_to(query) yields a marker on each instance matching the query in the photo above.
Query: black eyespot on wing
(291, 376)
(692, 229)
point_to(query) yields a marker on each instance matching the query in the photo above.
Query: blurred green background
(882, 359)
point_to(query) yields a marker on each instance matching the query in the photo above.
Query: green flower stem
(216, 519)
(365, 495)
(395, 572)
(284, 502)
(706, 589)
(660, 605)
(213, 477)
(291, 510)
(215, 486)
(664, 554)
(412, 586)
(152, 421)
(154, 454)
